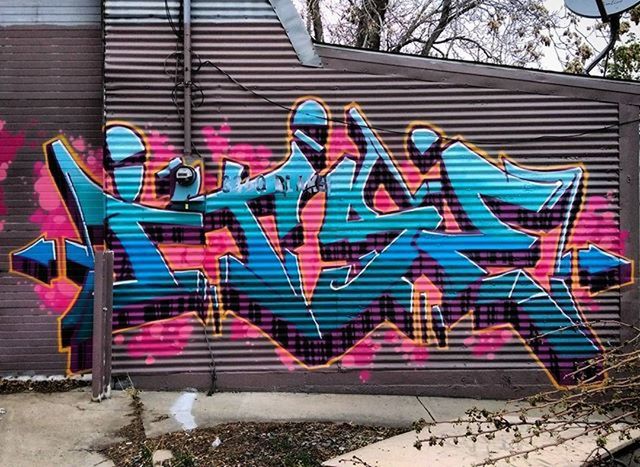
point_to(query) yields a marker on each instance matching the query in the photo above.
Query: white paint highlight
(182, 410)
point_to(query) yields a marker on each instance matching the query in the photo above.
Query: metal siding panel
(233, 123)
(50, 84)
(153, 11)
(63, 12)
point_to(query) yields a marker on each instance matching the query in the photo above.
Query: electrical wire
(388, 130)
(178, 32)
(194, 85)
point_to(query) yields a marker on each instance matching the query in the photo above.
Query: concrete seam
(426, 409)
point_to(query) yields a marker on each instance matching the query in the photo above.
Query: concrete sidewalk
(168, 411)
(66, 429)
(400, 451)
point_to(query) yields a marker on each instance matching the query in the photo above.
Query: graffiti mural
(337, 240)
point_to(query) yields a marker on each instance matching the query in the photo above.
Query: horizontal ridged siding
(63, 12)
(258, 54)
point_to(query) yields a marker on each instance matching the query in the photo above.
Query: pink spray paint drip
(362, 357)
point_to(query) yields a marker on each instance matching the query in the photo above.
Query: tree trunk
(445, 18)
(315, 19)
(370, 20)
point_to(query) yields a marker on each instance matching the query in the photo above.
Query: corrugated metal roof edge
(478, 74)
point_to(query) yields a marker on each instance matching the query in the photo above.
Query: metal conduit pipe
(186, 44)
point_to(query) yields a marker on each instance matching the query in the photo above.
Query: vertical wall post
(108, 320)
(102, 325)
(630, 215)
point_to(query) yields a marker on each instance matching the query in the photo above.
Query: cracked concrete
(59, 428)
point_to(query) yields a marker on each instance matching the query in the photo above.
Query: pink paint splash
(598, 224)
(415, 355)
(241, 330)
(257, 157)
(362, 357)
(59, 297)
(51, 215)
(487, 344)
(10, 144)
(90, 157)
(287, 359)
(164, 339)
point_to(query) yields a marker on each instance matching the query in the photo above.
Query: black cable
(388, 130)
(194, 85)
(178, 33)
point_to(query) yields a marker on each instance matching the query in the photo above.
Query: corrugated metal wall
(50, 84)
(380, 224)
(266, 333)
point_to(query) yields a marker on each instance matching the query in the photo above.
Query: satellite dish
(600, 8)
(609, 11)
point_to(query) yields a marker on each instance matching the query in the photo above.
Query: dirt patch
(13, 386)
(251, 444)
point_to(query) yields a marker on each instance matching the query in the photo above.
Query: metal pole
(603, 11)
(186, 43)
(614, 26)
